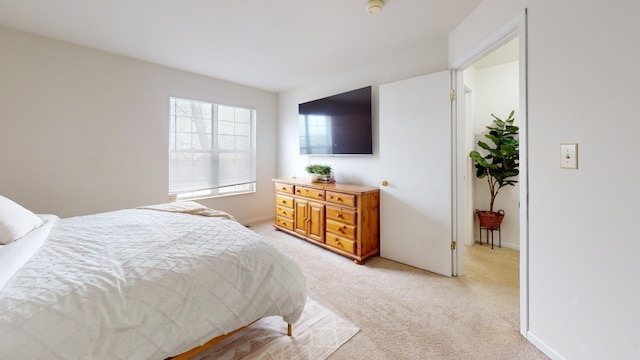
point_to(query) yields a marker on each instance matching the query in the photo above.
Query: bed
(145, 283)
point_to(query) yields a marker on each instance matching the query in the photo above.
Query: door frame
(516, 27)
(468, 139)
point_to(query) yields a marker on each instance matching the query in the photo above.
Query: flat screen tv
(337, 125)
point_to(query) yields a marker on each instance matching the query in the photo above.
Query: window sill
(203, 197)
(248, 188)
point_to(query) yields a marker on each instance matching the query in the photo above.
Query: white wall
(495, 91)
(421, 60)
(583, 240)
(83, 131)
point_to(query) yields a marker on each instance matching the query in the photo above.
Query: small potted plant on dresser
(319, 173)
(499, 166)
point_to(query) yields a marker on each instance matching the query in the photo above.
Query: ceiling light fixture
(374, 6)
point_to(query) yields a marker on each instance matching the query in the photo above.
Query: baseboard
(504, 244)
(251, 222)
(511, 246)
(543, 347)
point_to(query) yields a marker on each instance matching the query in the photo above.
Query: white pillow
(15, 221)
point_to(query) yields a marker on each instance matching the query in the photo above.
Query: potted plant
(319, 173)
(499, 165)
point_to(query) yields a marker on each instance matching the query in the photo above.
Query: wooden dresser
(343, 218)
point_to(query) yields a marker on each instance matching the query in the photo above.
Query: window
(211, 149)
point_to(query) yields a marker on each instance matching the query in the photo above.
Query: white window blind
(211, 148)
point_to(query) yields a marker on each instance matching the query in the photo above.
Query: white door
(416, 163)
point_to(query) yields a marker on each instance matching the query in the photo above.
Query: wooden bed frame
(190, 353)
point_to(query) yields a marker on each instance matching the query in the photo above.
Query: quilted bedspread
(143, 284)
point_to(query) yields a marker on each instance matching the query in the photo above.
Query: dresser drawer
(341, 229)
(284, 188)
(341, 199)
(284, 212)
(341, 243)
(285, 201)
(343, 215)
(309, 193)
(285, 223)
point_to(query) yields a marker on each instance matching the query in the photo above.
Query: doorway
(491, 87)
(515, 29)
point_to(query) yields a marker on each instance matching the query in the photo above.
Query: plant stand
(490, 221)
(492, 230)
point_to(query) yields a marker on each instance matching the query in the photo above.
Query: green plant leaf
(484, 145)
(501, 161)
(318, 169)
(494, 138)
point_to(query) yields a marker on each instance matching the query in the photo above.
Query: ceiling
(272, 45)
(504, 54)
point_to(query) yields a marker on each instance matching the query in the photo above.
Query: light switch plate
(569, 156)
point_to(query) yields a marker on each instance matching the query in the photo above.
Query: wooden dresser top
(340, 187)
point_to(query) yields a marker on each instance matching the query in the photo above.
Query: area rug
(316, 335)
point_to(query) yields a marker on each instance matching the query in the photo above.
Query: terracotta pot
(490, 220)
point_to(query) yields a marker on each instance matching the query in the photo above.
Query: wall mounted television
(337, 125)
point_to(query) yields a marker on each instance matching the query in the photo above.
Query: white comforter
(143, 284)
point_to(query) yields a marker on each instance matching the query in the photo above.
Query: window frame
(214, 151)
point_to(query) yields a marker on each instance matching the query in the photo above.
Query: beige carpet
(317, 334)
(407, 313)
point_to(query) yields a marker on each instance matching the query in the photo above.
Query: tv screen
(337, 125)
